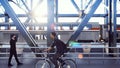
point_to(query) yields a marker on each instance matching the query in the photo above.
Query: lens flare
(80, 56)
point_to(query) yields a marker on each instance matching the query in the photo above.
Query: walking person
(13, 52)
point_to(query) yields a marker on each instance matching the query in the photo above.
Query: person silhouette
(13, 52)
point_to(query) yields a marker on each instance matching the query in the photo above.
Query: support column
(50, 24)
(112, 26)
(7, 20)
(56, 13)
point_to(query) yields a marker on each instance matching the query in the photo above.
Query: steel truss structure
(84, 13)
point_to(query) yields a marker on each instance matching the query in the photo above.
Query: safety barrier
(81, 53)
(88, 49)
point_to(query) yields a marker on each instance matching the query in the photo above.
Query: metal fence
(81, 51)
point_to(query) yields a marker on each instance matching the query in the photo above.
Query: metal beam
(66, 15)
(77, 15)
(43, 24)
(22, 29)
(88, 4)
(50, 27)
(6, 20)
(114, 19)
(75, 5)
(113, 26)
(84, 21)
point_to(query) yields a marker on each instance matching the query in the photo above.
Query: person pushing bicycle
(61, 48)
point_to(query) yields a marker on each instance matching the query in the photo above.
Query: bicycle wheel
(69, 63)
(43, 64)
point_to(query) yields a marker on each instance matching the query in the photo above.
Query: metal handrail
(72, 52)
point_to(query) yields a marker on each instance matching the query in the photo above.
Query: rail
(82, 51)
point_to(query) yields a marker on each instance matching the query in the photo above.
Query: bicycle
(46, 62)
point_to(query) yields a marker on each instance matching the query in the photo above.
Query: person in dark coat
(13, 51)
(61, 48)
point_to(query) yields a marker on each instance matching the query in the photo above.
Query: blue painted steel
(25, 5)
(112, 26)
(56, 11)
(88, 4)
(44, 24)
(67, 15)
(6, 20)
(106, 11)
(75, 5)
(56, 15)
(114, 21)
(110, 23)
(29, 11)
(77, 15)
(50, 24)
(22, 29)
(2, 15)
(84, 21)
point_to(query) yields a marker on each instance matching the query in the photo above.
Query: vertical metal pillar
(50, 24)
(56, 15)
(6, 20)
(112, 26)
(106, 25)
(106, 20)
(115, 25)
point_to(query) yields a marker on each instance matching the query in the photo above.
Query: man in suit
(13, 52)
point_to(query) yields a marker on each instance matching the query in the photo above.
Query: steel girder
(112, 27)
(50, 24)
(84, 21)
(64, 15)
(39, 24)
(75, 5)
(115, 26)
(27, 36)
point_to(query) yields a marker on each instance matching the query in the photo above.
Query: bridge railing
(81, 51)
